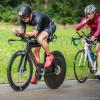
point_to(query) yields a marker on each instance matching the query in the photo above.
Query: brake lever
(79, 34)
(73, 41)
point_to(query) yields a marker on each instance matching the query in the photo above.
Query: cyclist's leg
(35, 78)
(37, 61)
(37, 55)
(98, 57)
(42, 39)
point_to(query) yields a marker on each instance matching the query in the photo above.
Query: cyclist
(44, 27)
(92, 19)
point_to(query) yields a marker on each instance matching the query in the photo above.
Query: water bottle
(92, 55)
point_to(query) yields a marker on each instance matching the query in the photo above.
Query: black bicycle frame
(31, 42)
(28, 51)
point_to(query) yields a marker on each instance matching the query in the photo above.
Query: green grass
(63, 44)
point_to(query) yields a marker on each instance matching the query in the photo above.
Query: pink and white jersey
(93, 24)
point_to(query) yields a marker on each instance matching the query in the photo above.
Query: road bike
(85, 60)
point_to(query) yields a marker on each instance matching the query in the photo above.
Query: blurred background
(62, 11)
(65, 14)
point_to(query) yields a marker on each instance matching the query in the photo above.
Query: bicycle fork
(22, 66)
(81, 58)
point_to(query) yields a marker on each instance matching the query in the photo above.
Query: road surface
(70, 90)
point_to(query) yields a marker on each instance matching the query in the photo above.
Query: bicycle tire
(10, 71)
(83, 76)
(53, 79)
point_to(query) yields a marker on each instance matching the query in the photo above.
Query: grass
(62, 44)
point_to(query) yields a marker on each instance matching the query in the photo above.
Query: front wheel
(81, 65)
(19, 71)
(55, 78)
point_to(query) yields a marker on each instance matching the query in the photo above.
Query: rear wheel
(55, 78)
(19, 71)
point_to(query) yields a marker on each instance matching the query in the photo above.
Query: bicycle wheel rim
(19, 78)
(55, 78)
(81, 67)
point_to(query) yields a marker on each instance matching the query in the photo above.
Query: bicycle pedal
(40, 65)
(92, 71)
(38, 76)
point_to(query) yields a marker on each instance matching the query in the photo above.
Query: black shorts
(98, 39)
(50, 29)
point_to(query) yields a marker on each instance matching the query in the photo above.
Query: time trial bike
(21, 66)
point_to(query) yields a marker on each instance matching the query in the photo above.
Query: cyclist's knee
(41, 39)
(97, 51)
(98, 48)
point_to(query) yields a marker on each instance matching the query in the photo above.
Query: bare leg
(42, 39)
(98, 54)
(37, 54)
(37, 61)
(98, 59)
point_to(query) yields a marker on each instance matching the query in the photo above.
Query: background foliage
(62, 11)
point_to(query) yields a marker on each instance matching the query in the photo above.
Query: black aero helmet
(24, 10)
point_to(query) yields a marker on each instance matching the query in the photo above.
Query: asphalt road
(70, 90)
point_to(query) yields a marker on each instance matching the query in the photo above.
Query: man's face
(26, 19)
(91, 15)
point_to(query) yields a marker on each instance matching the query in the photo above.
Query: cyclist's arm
(38, 21)
(33, 33)
(22, 26)
(97, 33)
(20, 30)
(82, 23)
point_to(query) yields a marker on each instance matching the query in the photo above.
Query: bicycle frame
(87, 54)
(31, 42)
(86, 49)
